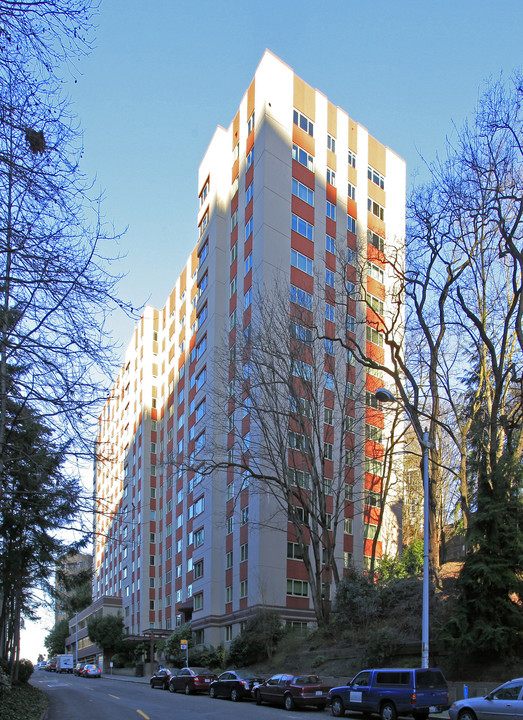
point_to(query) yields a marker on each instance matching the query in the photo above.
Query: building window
(250, 159)
(329, 346)
(228, 594)
(373, 433)
(331, 210)
(204, 192)
(351, 158)
(330, 244)
(351, 224)
(375, 467)
(302, 227)
(376, 177)
(351, 191)
(201, 347)
(198, 569)
(329, 312)
(203, 253)
(303, 192)
(303, 122)
(331, 177)
(374, 271)
(250, 124)
(374, 336)
(228, 560)
(329, 278)
(244, 552)
(247, 300)
(375, 240)
(198, 537)
(351, 257)
(234, 219)
(369, 531)
(302, 157)
(198, 601)
(234, 253)
(248, 263)
(300, 588)
(328, 451)
(328, 416)
(300, 332)
(244, 515)
(349, 458)
(301, 297)
(200, 410)
(248, 227)
(375, 208)
(347, 525)
(249, 193)
(228, 633)
(347, 559)
(232, 287)
(329, 381)
(294, 551)
(302, 262)
(229, 525)
(331, 143)
(201, 379)
(244, 588)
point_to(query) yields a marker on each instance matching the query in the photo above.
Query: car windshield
(305, 679)
(201, 671)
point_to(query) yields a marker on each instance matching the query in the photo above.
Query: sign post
(184, 645)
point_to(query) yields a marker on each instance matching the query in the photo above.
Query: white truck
(64, 663)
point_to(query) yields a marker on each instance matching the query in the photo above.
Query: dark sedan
(161, 678)
(293, 691)
(235, 685)
(192, 679)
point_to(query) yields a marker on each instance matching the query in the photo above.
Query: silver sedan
(506, 702)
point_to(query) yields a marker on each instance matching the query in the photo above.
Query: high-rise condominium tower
(240, 453)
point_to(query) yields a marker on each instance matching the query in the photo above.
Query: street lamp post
(384, 395)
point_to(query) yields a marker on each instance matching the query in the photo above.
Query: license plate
(207, 680)
(433, 708)
(319, 692)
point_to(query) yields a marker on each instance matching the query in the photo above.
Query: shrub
(25, 670)
(258, 639)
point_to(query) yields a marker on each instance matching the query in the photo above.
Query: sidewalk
(126, 678)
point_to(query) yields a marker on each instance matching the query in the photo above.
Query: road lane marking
(143, 715)
(114, 696)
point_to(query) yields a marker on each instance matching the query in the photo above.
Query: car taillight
(245, 684)
(413, 698)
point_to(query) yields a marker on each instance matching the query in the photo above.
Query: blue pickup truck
(390, 692)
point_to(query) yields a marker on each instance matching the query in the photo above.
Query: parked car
(91, 671)
(504, 702)
(78, 668)
(161, 678)
(40, 665)
(391, 692)
(293, 691)
(235, 685)
(195, 679)
(51, 665)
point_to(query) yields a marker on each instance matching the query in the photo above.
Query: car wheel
(212, 692)
(467, 714)
(337, 708)
(288, 702)
(187, 689)
(172, 688)
(152, 685)
(257, 697)
(234, 695)
(388, 711)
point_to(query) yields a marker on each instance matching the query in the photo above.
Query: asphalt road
(75, 698)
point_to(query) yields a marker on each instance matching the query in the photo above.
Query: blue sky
(164, 73)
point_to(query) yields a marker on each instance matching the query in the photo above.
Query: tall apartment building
(299, 209)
